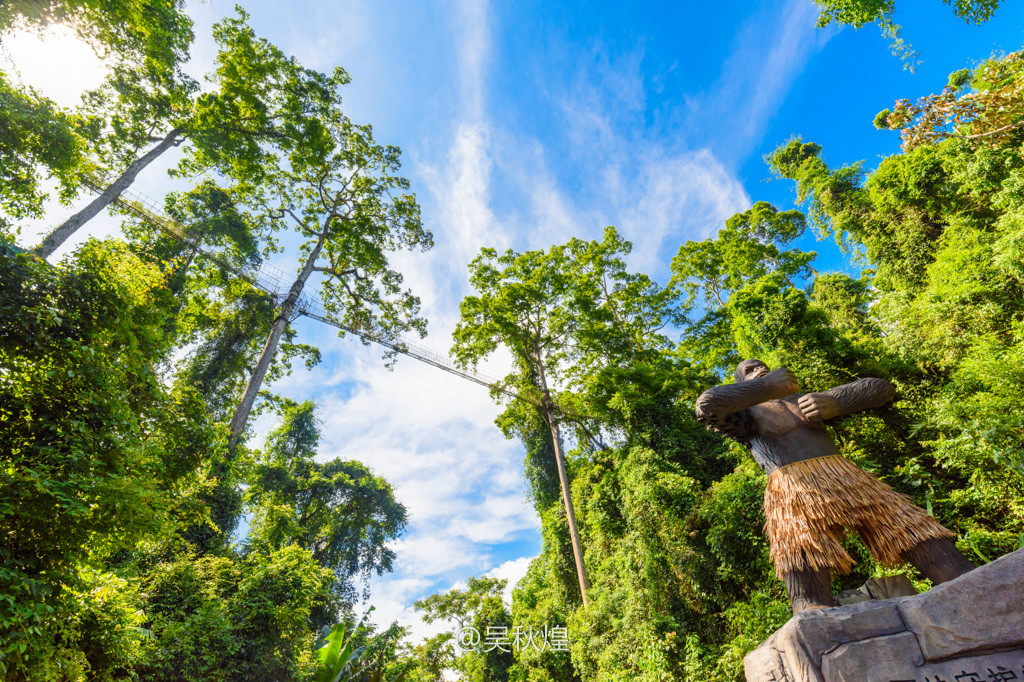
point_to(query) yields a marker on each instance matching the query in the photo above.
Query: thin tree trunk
(188, 262)
(252, 389)
(112, 192)
(563, 477)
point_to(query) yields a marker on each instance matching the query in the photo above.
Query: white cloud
(461, 191)
(687, 196)
(512, 571)
(661, 176)
(461, 186)
(431, 434)
(351, 30)
(474, 46)
(434, 556)
(656, 196)
(392, 601)
(506, 515)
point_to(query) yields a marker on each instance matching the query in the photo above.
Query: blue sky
(524, 124)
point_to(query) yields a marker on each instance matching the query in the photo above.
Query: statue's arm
(725, 408)
(862, 394)
(722, 400)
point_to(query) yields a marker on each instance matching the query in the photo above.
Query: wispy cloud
(613, 167)
(462, 193)
(432, 436)
(770, 50)
(474, 48)
(680, 197)
(661, 172)
(460, 185)
(656, 198)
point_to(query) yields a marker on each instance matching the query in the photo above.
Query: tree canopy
(149, 535)
(122, 493)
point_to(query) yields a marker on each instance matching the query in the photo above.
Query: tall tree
(524, 304)
(339, 192)
(150, 37)
(624, 316)
(260, 95)
(568, 315)
(338, 510)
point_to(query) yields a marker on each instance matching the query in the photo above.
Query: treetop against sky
(523, 125)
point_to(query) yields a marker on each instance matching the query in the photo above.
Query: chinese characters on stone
(998, 674)
(515, 638)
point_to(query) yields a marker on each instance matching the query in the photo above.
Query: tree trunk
(188, 262)
(252, 389)
(563, 477)
(112, 192)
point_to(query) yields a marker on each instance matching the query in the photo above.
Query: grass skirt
(808, 504)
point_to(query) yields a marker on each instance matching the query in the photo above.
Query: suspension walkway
(274, 282)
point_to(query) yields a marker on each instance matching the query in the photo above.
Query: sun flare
(58, 63)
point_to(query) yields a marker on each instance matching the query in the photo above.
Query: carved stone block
(967, 630)
(888, 587)
(983, 612)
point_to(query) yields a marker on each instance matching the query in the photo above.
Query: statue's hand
(818, 407)
(782, 382)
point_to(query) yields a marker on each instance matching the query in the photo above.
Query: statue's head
(751, 369)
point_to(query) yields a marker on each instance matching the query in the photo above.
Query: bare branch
(355, 297)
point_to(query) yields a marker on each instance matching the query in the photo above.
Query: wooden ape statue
(813, 492)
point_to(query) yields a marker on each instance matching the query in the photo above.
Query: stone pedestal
(888, 587)
(967, 630)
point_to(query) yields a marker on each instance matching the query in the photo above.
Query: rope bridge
(274, 282)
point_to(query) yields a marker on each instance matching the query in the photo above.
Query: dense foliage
(145, 538)
(670, 515)
(139, 543)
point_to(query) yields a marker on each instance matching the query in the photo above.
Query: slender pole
(563, 477)
(577, 550)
